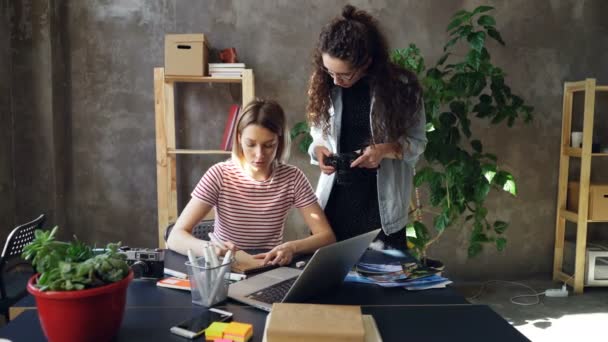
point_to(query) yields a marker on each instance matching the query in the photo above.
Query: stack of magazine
(392, 270)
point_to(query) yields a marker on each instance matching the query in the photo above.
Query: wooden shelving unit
(580, 217)
(166, 151)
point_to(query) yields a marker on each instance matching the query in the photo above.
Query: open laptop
(326, 269)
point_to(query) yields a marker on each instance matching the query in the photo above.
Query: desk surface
(432, 315)
(145, 293)
(396, 323)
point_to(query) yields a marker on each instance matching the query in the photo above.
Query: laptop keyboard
(274, 293)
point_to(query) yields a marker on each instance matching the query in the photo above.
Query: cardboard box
(598, 200)
(315, 323)
(186, 55)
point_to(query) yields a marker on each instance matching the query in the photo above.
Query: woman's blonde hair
(268, 114)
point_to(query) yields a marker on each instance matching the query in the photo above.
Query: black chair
(14, 271)
(200, 231)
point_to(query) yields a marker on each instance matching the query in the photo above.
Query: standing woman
(358, 100)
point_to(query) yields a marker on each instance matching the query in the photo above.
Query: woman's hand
(321, 152)
(281, 254)
(229, 246)
(370, 158)
(373, 155)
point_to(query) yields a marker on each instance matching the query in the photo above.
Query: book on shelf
(226, 75)
(233, 129)
(229, 127)
(227, 65)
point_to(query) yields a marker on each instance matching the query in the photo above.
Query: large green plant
(458, 174)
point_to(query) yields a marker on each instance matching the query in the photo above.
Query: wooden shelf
(569, 215)
(203, 79)
(184, 151)
(166, 149)
(573, 216)
(577, 152)
(589, 88)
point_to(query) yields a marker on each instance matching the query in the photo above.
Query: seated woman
(252, 193)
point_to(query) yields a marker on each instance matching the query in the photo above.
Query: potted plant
(80, 294)
(457, 172)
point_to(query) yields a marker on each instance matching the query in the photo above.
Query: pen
(220, 278)
(217, 241)
(198, 276)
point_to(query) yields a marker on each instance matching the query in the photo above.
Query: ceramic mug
(577, 139)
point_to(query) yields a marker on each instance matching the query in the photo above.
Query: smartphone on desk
(195, 326)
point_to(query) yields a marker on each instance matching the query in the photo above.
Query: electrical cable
(512, 299)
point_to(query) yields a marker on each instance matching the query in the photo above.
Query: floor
(573, 318)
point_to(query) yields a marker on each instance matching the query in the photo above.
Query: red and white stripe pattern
(252, 213)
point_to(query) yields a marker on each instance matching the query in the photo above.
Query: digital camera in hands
(345, 175)
(145, 262)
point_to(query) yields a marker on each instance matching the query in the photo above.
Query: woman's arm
(322, 235)
(415, 142)
(408, 149)
(181, 238)
(317, 140)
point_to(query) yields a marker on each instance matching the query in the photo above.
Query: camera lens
(139, 269)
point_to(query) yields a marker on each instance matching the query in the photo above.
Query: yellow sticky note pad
(238, 332)
(215, 331)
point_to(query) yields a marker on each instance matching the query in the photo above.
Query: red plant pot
(83, 315)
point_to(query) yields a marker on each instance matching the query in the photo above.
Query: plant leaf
(495, 35)
(486, 20)
(477, 40)
(482, 9)
(474, 249)
(299, 128)
(501, 243)
(456, 22)
(476, 145)
(500, 226)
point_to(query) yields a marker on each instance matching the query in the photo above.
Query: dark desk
(432, 315)
(396, 323)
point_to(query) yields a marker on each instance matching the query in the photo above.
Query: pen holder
(209, 285)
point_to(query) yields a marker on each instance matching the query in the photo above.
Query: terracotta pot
(83, 315)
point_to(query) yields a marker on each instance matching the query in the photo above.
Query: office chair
(200, 231)
(14, 271)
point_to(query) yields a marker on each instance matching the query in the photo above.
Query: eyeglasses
(342, 76)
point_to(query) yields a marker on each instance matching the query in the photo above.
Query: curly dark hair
(354, 37)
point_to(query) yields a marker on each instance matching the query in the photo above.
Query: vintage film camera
(346, 175)
(145, 262)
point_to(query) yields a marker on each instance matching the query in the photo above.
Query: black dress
(352, 209)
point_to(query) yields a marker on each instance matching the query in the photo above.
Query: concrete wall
(93, 107)
(7, 189)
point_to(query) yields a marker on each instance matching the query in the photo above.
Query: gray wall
(7, 193)
(82, 105)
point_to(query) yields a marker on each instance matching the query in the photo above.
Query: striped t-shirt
(252, 213)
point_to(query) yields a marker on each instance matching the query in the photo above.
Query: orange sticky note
(238, 332)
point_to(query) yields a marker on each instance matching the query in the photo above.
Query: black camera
(145, 262)
(346, 175)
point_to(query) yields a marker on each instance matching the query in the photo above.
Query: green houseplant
(80, 294)
(457, 174)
